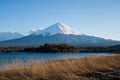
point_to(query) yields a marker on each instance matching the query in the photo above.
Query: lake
(20, 57)
(10, 57)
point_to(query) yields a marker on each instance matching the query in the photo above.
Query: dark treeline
(11, 49)
(99, 49)
(46, 48)
(54, 48)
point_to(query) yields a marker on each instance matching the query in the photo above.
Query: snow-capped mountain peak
(60, 32)
(57, 28)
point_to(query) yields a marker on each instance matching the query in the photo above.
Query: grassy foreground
(89, 68)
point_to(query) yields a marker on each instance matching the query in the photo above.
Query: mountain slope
(9, 35)
(75, 40)
(59, 33)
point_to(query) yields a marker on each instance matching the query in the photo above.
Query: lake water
(6, 59)
(9, 57)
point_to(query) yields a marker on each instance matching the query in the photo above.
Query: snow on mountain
(57, 28)
(9, 35)
(59, 33)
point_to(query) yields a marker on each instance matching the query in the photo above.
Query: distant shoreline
(60, 48)
(46, 48)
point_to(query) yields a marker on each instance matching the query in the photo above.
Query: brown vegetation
(89, 68)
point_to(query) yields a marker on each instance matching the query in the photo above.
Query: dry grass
(89, 68)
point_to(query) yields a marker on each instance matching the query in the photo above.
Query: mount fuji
(59, 33)
(57, 28)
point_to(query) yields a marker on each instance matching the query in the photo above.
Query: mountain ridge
(9, 35)
(64, 35)
(75, 40)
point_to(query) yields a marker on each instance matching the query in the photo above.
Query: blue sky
(92, 17)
